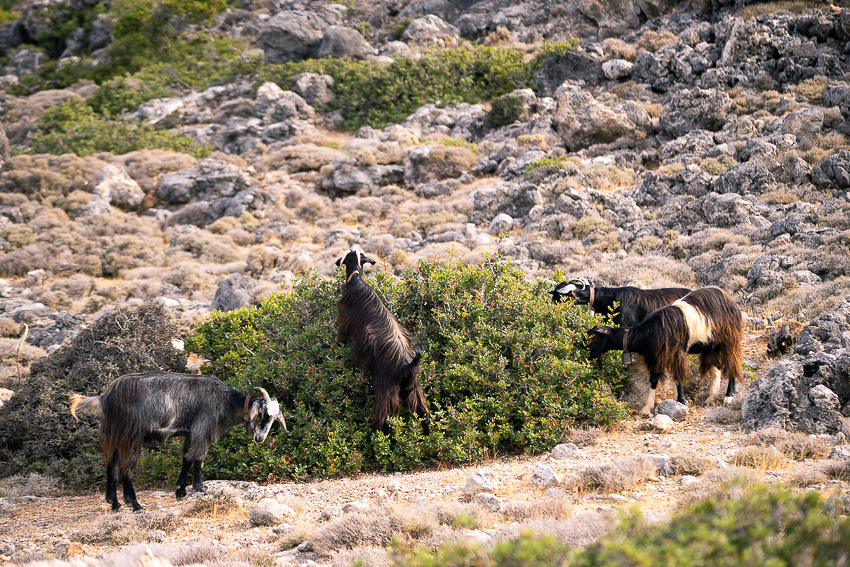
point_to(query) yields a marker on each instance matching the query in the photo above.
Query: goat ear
(367, 260)
(338, 261)
(255, 409)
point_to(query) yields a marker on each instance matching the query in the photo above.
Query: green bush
(763, 527)
(505, 110)
(377, 94)
(501, 372)
(73, 127)
(38, 433)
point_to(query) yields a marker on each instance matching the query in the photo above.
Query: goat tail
(86, 405)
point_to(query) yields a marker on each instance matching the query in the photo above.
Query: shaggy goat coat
(381, 346)
(150, 407)
(705, 322)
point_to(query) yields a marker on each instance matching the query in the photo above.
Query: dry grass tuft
(538, 508)
(727, 482)
(376, 527)
(723, 415)
(837, 470)
(583, 436)
(793, 6)
(760, 458)
(577, 531)
(32, 485)
(691, 464)
(124, 527)
(362, 556)
(213, 506)
(809, 477)
(795, 445)
(614, 477)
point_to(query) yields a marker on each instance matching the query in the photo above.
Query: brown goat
(379, 344)
(706, 322)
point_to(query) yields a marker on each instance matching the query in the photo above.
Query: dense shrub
(37, 432)
(501, 372)
(505, 110)
(763, 527)
(376, 94)
(73, 127)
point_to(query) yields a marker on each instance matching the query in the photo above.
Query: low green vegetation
(73, 127)
(505, 110)
(765, 526)
(501, 370)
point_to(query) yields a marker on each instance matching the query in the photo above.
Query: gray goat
(149, 407)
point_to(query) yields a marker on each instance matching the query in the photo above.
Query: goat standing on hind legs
(706, 322)
(380, 345)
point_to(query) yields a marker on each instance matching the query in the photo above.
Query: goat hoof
(180, 493)
(137, 507)
(116, 506)
(727, 400)
(199, 489)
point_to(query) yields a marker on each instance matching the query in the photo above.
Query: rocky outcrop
(810, 390)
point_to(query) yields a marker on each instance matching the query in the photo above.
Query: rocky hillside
(204, 152)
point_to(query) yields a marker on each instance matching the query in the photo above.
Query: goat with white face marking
(634, 304)
(706, 322)
(149, 407)
(379, 344)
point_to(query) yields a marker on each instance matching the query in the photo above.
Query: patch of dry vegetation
(583, 436)
(690, 464)
(614, 476)
(727, 482)
(123, 527)
(760, 458)
(537, 508)
(32, 485)
(795, 445)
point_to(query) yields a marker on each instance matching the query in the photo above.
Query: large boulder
(689, 109)
(292, 35)
(117, 188)
(233, 292)
(317, 90)
(431, 31)
(750, 177)
(582, 121)
(810, 390)
(344, 43)
(571, 66)
(833, 172)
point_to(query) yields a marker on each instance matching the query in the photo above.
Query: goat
(634, 303)
(706, 322)
(149, 407)
(380, 345)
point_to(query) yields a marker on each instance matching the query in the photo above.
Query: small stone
(282, 529)
(618, 498)
(305, 547)
(269, 512)
(356, 506)
(491, 501)
(662, 463)
(500, 223)
(688, 480)
(564, 451)
(331, 512)
(673, 409)
(840, 453)
(555, 492)
(543, 476)
(481, 481)
(381, 497)
(661, 423)
(156, 536)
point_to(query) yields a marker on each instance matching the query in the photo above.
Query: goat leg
(112, 482)
(130, 492)
(730, 391)
(650, 398)
(198, 485)
(181, 480)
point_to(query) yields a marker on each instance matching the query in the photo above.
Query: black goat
(379, 344)
(634, 303)
(706, 322)
(149, 407)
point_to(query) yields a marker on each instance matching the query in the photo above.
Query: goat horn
(265, 394)
(282, 422)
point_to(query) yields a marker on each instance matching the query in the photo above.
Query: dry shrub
(809, 477)
(649, 270)
(837, 470)
(778, 197)
(760, 458)
(588, 224)
(619, 49)
(377, 526)
(555, 508)
(362, 556)
(793, 6)
(209, 553)
(15, 359)
(810, 89)
(502, 36)
(10, 328)
(583, 436)
(123, 527)
(32, 485)
(691, 464)
(714, 239)
(723, 415)
(263, 259)
(805, 302)
(727, 482)
(213, 506)
(616, 476)
(577, 531)
(653, 41)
